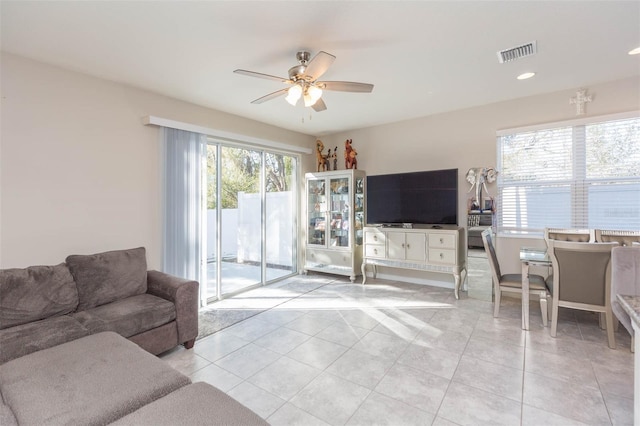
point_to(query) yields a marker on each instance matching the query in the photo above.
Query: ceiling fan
(303, 81)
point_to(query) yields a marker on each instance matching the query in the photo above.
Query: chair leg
(554, 318)
(496, 303)
(543, 308)
(602, 322)
(610, 336)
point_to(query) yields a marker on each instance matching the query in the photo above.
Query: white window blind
(584, 175)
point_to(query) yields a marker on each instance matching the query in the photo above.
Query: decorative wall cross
(580, 99)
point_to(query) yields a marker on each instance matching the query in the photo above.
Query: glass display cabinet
(335, 219)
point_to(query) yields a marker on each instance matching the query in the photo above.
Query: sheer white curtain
(182, 187)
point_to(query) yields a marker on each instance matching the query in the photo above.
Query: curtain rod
(151, 120)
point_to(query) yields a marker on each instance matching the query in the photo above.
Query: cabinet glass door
(317, 208)
(359, 209)
(339, 212)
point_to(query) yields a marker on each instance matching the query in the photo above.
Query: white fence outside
(241, 236)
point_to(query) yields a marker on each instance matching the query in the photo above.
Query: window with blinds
(576, 175)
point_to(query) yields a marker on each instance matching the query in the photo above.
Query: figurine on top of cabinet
(350, 160)
(335, 158)
(320, 157)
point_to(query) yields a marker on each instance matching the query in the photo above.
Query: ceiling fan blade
(345, 86)
(319, 65)
(270, 96)
(261, 75)
(319, 105)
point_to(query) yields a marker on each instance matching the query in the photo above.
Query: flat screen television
(428, 197)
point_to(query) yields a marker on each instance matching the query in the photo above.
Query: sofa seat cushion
(35, 293)
(6, 415)
(106, 277)
(196, 404)
(27, 338)
(129, 316)
(93, 380)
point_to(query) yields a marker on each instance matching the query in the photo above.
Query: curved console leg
(456, 289)
(364, 272)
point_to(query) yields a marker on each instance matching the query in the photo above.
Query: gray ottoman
(93, 380)
(196, 404)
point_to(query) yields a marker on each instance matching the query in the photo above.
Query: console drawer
(442, 241)
(374, 237)
(442, 256)
(374, 250)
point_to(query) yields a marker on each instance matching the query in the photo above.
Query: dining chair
(582, 280)
(566, 234)
(624, 238)
(625, 279)
(512, 283)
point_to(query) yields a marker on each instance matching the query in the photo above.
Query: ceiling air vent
(517, 52)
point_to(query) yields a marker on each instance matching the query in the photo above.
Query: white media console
(425, 248)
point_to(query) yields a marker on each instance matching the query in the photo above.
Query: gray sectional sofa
(76, 345)
(44, 306)
(105, 378)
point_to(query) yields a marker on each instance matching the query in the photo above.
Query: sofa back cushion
(35, 293)
(106, 277)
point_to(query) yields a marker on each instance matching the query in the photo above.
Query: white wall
(467, 138)
(79, 173)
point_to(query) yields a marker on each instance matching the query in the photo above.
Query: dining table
(530, 256)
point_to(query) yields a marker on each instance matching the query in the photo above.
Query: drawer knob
(375, 238)
(441, 255)
(441, 240)
(375, 251)
(408, 246)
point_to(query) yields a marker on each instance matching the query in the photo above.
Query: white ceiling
(424, 57)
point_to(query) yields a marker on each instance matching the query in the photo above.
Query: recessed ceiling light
(635, 51)
(526, 75)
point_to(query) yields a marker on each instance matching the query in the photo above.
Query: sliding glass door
(251, 225)
(241, 234)
(280, 215)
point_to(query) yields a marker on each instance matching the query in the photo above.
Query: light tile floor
(393, 353)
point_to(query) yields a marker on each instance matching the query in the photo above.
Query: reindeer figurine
(350, 160)
(320, 157)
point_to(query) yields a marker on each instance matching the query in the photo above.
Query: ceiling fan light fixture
(308, 101)
(295, 92)
(311, 95)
